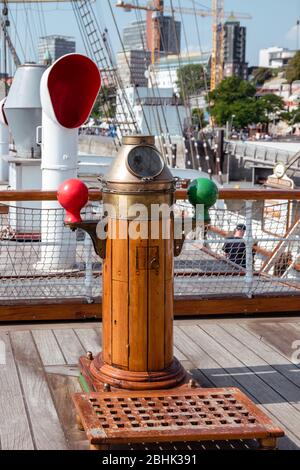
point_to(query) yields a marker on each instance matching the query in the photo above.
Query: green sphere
(205, 192)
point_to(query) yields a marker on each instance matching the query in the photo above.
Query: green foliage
(190, 79)
(263, 74)
(293, 68)
(291, 117)
(233, 97)
(105, 104)
(234, 101)
(198, 118)
(270, 106)
(296, 116)
(232, 89)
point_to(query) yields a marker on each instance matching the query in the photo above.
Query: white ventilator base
(59, 163)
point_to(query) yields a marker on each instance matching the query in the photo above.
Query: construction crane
(216, 11)
(217, 56)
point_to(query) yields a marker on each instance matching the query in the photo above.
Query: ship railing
(49, 272)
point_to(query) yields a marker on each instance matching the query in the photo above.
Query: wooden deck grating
(40, 372)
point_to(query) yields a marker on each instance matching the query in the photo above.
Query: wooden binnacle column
(138, 278)
(137, 313)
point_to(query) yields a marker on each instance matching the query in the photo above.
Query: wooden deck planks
(271, 356)
(14, 426)
(278, 335)
(214, 375)
(90, 339)
(70, 345)
(253, 355)
(46, 428)
(266, 372)
(48, 348)
(62, 387)
(282, 412)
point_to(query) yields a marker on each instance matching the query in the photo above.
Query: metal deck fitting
(181, 415)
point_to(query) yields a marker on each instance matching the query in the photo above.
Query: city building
(235, 50)
(163, 74)
(132, 67)
(135, 37)
(52, 47)
(275, 57)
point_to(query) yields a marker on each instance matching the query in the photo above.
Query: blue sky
(273, 23)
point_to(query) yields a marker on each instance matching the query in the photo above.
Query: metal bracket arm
(90, 227)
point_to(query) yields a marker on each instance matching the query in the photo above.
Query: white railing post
(249, 249)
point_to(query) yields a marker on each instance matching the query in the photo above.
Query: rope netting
(261, 261)
(42, 260)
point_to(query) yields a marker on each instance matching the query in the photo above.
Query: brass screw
(89, 356)
(192, 383)
(106, 388)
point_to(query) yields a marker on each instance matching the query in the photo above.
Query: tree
(263, 74)
(105, 104)
(291, 117)
(293, 68)
(296, 116)
(270, 105)
(198, 118)
(234, 100)
(270, 108)
(190, 79)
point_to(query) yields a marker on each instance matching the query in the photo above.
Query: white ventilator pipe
(68, 90)
(4, 143)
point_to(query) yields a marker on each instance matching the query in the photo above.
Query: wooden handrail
(181, 194)
(250, 194)
(36, 195)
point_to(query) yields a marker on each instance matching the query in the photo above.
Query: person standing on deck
(235, 249)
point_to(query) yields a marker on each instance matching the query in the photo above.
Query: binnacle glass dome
(145, 162)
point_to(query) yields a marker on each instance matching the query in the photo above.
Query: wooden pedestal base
(100, 376)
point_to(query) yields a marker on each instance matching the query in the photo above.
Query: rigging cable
(140, 24)
(105, 63)
(154, 90)
(126, 59)
(90, 53)
(187, 136)
(30, 34)
(218, 162)
(114, 75)
(194, 141)
(172, 146)
(43, 27)
(119, 80)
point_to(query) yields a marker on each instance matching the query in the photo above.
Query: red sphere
(72, 195)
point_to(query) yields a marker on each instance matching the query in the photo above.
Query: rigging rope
(186, 137)
(126, 58)
(194, 143)
(218, 162)
(154, 90)
(104, 62)
(155, 72)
